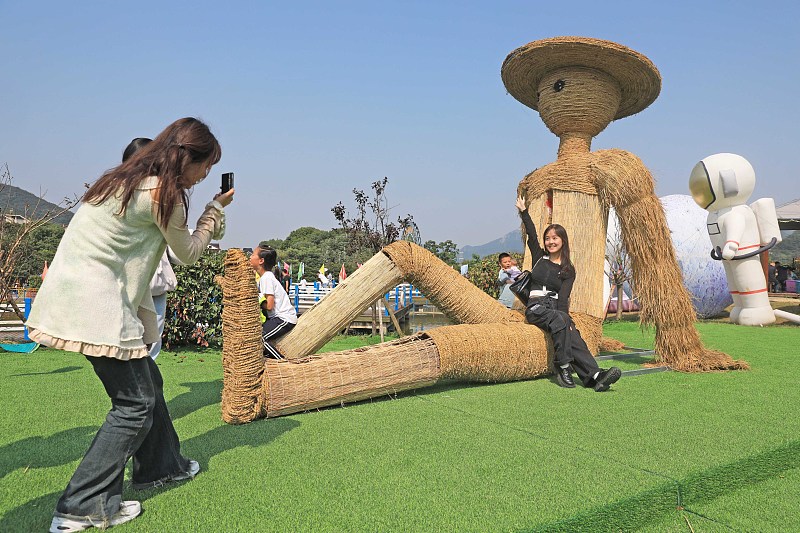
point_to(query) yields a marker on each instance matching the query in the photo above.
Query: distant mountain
(16, 201)
(510, 242)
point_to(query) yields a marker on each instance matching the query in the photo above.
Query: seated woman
(279, 316)
(552, 276)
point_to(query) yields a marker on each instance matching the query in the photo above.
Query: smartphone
(227, 182)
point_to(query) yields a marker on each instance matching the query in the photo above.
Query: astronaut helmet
(722, 180)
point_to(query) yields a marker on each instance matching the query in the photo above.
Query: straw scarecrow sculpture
(579, 86)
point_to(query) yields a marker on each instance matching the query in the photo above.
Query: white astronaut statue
(721, 184)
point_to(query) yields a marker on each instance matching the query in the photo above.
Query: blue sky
(311, 99)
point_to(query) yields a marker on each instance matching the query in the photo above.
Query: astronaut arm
(732, 229)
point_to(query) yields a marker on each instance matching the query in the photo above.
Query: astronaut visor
(700, 186)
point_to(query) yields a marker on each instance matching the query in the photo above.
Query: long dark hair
(185, 141)
(567, 268)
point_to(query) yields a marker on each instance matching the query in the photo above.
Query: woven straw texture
(638, 79)
(348, 376)
(578, 100)
(450, 292)
(492, 352)
(242, 359)
(332, 314)
(627, 185)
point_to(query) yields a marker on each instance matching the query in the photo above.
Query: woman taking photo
(552, 276)
(96, 301)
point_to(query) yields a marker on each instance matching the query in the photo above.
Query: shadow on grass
(199, 395)
(34, 515)
(641, 509)
(223, 438)
(63, 370)
(42, 452)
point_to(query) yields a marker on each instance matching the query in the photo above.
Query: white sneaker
(194, 468)
(128, 510)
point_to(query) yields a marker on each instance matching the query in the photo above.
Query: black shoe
(564, 378)
(606, 378)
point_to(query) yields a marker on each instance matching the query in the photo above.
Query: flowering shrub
(194, 309)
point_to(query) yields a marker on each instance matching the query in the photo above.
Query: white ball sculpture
(703, 277)
(721, 184)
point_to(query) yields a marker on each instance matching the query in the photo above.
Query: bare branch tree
(16, 229)
(371, 229)
(619, 266)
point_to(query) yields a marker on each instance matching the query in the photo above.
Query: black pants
(568, 345)
(271, 330)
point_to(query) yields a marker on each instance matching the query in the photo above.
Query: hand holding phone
(227, 182)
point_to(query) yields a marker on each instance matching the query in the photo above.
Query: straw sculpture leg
(242, 351)
(628, 186)
(452, 294)
(505, 350)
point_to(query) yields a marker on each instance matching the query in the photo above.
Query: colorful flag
(287, 268)
(322, 269)
(44, 270)
(342, 274)
(301, 270)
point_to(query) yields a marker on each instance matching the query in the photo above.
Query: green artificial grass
(660, 452)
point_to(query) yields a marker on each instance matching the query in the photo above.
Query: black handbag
(522, 286)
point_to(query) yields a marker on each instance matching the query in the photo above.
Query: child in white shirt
(278, 314)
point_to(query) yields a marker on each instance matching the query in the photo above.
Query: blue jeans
(137, 425)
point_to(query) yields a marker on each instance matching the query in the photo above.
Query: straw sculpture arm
(625, 183)
(454, 295)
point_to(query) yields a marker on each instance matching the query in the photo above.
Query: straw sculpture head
(626, 75)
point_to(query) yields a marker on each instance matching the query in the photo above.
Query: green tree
(447, 251)
(38, 247)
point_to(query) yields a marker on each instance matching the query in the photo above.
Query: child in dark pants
(278, 314)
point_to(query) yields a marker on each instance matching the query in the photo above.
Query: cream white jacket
(96, 297)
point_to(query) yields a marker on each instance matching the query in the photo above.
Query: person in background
(164, 279)
(103, 266)
(505, 277)
(782, 274)
(772, 277)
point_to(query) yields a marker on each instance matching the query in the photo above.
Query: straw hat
(637, 76)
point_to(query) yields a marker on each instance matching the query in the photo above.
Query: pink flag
(342, 274)
(44, 270)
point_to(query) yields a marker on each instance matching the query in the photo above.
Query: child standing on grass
(102, 269)
(278, 314)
